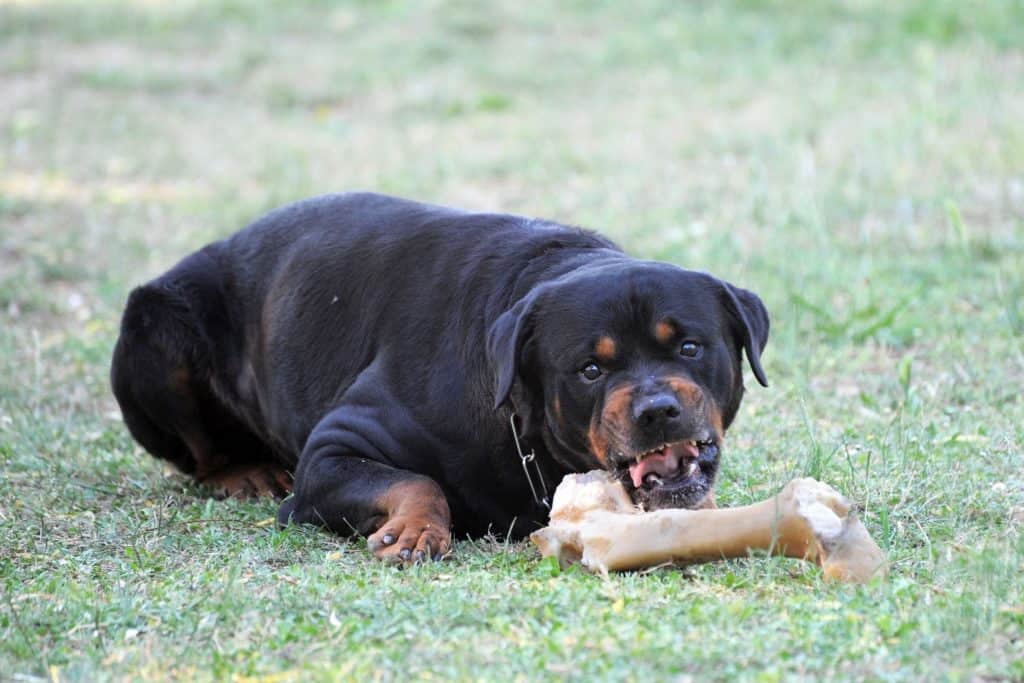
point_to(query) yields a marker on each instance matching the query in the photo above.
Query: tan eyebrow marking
(605, 348)
(664, 331)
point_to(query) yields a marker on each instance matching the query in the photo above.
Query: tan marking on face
(180, 380)
(692, 398)
(664, 331)
(616, 408)
(598, 444)
(715, 417)
(614, 420)
(605, 349)
(557, 406)
(689, 394)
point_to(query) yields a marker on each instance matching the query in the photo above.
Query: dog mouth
(674, 474)
(669, 465)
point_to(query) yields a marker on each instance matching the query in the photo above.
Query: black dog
(382, 350)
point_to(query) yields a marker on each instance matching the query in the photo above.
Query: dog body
(381, 350)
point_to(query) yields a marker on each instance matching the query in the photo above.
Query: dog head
(634, 367)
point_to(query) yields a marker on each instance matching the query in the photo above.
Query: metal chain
(528, 458)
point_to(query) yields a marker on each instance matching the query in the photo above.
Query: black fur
(359, 340)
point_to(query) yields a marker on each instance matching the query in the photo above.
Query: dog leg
(249, 481)
(404, 515)
(416, 522)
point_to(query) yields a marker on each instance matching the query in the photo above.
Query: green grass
(859, 164)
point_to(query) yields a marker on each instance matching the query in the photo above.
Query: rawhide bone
(593, 522)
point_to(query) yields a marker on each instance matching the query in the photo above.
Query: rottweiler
(406, 371)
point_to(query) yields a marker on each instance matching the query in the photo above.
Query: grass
(859, 164)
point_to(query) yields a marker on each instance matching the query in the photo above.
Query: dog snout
(656, 410)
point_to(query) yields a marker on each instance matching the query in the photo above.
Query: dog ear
(507, 339)
(751, 319)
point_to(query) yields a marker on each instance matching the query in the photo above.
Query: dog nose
(657, 410)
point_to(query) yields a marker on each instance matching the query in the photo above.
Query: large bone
(593, 522)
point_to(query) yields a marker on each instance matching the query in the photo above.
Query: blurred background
(859, 164)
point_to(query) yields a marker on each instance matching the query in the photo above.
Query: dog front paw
(408, 539)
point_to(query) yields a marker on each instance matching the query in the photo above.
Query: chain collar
(527, 458)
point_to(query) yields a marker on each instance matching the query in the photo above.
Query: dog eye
(591, 372)
(690, 349)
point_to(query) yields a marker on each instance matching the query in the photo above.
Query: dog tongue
(662, 463)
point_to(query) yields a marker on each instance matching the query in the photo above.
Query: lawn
(859, 164)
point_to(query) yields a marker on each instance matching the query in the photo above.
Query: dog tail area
(157, 358)
(162, 375)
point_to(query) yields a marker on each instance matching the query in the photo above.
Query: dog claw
(408, 539)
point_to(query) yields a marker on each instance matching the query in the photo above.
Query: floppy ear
(506, 340)
(751, 319)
